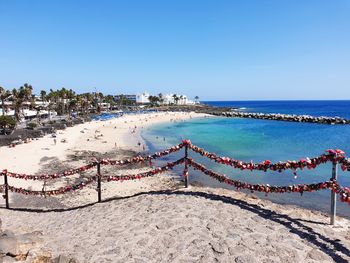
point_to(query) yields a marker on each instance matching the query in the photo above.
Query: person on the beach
(55, 141)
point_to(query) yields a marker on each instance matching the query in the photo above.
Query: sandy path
(196, 225)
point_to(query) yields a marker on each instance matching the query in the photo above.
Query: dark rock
(281, 117)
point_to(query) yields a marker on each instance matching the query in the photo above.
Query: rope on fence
(81, 185)
(310, 163)
(299, 188)
(136, 159)
(140, 158)
(59, 191)
(158, 170)
(335, 156)
(344, 193)
(42, 177)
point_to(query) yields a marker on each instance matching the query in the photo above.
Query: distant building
(27, 114)
(104, 106)
(39, 103)
(142, 98)
(128, 97)
(177, 99)
(166, 99)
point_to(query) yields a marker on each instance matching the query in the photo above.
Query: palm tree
(176, 98)
(122, 99)
(35, 107)
(161, 98)
(99, 99)
(4, 94)
(53, 98)
(28, 96)
(153, 100)
(62, 95)
(70, 94)
(79, 101)
(88, 100)
(109, 99)
(43, 95)
(72, 106)
(24, 93)
(85, 105)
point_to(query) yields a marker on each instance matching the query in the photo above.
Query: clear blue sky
(219, 50)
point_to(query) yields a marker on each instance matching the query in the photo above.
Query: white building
(178, 99)
(167, 99)
(27, 114)
(142, 98)
(104, 106)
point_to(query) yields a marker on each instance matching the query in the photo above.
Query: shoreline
(97, 137)
(127, 138)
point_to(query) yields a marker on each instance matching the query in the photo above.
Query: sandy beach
(154, 219)
(110, 136)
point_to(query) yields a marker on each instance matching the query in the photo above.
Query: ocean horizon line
(276, 100)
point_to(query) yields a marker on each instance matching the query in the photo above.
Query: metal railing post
(99, 194)
(4, 173)
(187, 182)
(333, 194)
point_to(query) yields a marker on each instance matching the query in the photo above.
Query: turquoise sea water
(258, 140)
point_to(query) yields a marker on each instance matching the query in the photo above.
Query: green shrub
(32, 125)
(7, 122)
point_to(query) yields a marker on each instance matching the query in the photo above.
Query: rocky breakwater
(283, 117)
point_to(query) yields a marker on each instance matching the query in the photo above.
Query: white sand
(180, 225)
(28, 158)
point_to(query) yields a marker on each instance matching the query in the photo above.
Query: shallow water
(258, 140)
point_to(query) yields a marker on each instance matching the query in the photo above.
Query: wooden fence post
(187, 181)
(99, 181)
(333, 194)
(4, 173)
